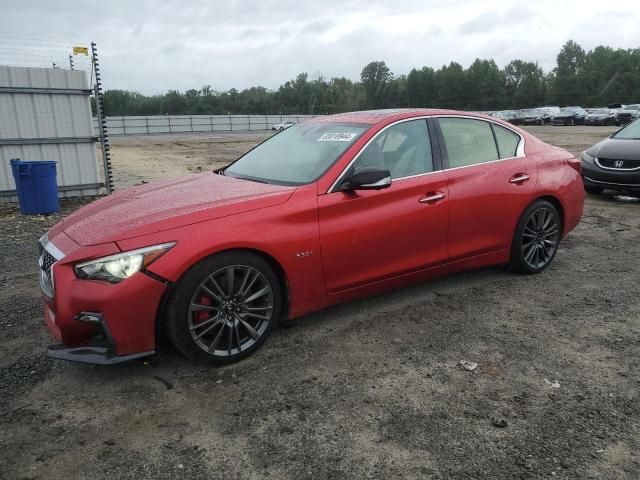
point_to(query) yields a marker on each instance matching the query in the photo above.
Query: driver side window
(403, 149)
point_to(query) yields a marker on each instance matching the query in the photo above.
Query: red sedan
(326, 211)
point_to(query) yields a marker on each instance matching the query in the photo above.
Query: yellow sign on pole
(81, 51)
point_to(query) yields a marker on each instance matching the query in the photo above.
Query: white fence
(138, 125)
(45, 114)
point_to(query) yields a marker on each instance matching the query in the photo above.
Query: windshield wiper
(241, 177)
(254, 180)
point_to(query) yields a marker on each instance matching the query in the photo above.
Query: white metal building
(45, 114)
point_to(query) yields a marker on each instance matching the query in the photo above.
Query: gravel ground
(370, 389)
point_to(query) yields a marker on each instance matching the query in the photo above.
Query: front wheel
(224, 308)
(536, 240)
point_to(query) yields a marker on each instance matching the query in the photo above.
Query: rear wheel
(224, 308)
(593, 190)
(536, 240)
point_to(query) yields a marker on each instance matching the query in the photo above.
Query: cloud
(152, 46)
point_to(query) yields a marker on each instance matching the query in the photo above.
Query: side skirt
(478, 261)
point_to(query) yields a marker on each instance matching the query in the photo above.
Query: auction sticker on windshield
(337, 137)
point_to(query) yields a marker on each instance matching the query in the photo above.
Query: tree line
(588, 78)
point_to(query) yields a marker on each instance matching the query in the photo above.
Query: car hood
(163, 205)
(616, 148)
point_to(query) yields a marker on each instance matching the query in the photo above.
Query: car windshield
(298, 155)
(568, 111)
(632, 107)
(630, 132)
(600, 111)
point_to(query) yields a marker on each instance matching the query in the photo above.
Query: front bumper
(620, 180)
(126, 315)
(101, 349)
(91, 354)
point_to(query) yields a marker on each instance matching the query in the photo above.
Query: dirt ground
(370, 389)
(146, 158)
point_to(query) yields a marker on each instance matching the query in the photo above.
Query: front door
(371, 235)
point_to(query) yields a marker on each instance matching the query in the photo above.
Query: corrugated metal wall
(139, 125)
(45, 114)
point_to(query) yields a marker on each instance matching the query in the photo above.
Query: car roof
(371, 117)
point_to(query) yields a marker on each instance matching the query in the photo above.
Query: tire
(536, 239)
(593, 190)
(206, 318)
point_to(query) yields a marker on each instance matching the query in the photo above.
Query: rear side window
(507, 141)
(468, 141)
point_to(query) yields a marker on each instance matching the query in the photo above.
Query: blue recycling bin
(36, 186)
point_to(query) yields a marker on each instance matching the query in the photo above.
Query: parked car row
(614, 114)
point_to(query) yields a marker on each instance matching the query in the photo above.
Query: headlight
(588, 158)
(116, 268)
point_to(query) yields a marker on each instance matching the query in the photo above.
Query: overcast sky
(154, 46)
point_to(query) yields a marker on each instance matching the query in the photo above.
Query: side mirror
(368, 178)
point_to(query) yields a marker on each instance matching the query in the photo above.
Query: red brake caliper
(202, 315)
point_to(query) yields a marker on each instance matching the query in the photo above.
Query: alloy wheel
(230, 310)
(540, 237)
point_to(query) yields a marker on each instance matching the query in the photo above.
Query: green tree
(486, 89)
(598, 77)
(525, 84)
(451, 85)
(567, 87)
(375, 78)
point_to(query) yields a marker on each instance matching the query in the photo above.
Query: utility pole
(102, 121)
(71, 62)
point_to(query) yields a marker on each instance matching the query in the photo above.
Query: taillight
(575, 164)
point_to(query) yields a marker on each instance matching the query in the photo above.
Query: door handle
(519, 178)
(432, 197)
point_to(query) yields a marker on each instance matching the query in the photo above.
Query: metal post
(71, 62)
(102, 122)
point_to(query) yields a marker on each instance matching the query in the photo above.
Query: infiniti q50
(328, 210)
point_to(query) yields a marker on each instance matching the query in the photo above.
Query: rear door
(490, 183)
(372, 235)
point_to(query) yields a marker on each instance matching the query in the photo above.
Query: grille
(626, 164)
(46, 261)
